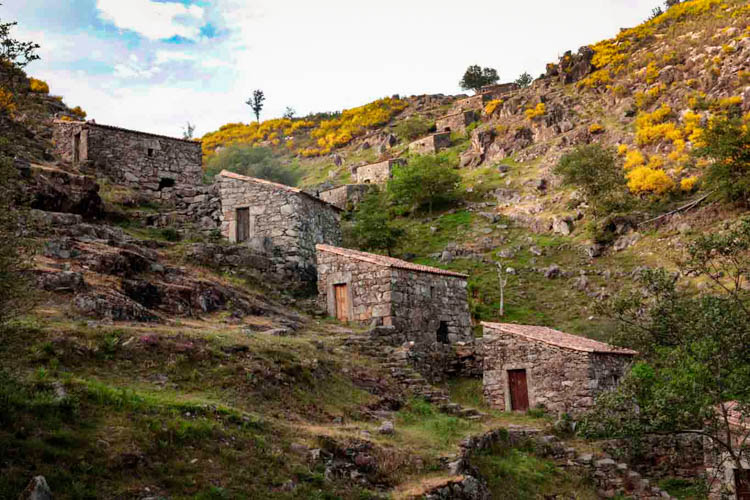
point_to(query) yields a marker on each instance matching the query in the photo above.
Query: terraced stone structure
(475, 103)
(431, 144)
(499, 89)
(278, 220)
(159, 167)
(456, 122)
(534, 366)
(377, 173)
(345, 197)
(425, 304)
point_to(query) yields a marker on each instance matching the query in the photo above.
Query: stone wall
(559, 379)
(499, 89)
(456, 122)
(284, 221)
(475, 102)
(345, 197)
(431, 144)
(150, 163)
(658, 457)
(377, 173)
(422, 301)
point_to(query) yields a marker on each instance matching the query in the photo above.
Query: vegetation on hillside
(253, 161)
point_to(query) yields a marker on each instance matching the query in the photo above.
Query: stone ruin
(456, 122)
(534, 366)
(431, 144)
(345, 197)
(377, 173)
(422, 304)
(499, 90)
(277, 220)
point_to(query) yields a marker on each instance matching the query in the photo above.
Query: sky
(154, 65)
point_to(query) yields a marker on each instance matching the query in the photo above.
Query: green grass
(423, 421)
(684, 489)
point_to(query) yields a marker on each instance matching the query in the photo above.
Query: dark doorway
(150, 152)
(243, 224)
(742, 483)
(341, 296)
(166, 182)
(77, 147)
(442, 333)
(519, 390)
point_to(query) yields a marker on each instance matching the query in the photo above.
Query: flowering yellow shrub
(648, 180)
(596, 128)
(622, 149)
(79, 112)
(744, 77)
(38, 86)
(253, 133)
(688, 183)
(652, 128)
(652, 72)
(634, 159)
(728, 49)
(536, 112)
(7, 101)
(646, 99)
(730, 102)
(492, 106)
(655, 162)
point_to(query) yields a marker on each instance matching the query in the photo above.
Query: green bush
(258, 162)
(373, 227)
(424, 182)
(413, 128)
(727, 145)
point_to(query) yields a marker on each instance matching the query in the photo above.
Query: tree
(726, 141)
(413, 128)
(524, 80)
(656, 12)
(188, 131)
(596, 172)
(693, 375)
(373, 227)
(258, 162)
(426, 180)
(289, 112)
(256, 103)
(18, 54)
(476, 77)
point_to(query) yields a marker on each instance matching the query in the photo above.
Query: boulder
(64, 281)
(553, 272)
(54, 190)
(36, 490)
(386, 428)
(562, 226)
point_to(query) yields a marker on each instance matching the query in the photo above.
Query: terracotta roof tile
(382, 260)
(557, 338)
(275, 185)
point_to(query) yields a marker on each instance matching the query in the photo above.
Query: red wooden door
(519, 390)
(742, 483)
(342, 302)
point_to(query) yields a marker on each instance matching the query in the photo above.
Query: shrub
(688, 183)
(373, 227)
(634, 159)
(252, 161)
(492, 106)
(535, 112)
(39, 86)
(649, 180)
(425, 181)
(595, 171)
(726, 144)
(596, 128)
(79, 112)
(414, 128)
(7, 101)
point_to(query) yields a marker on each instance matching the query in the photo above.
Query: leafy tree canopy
(424, 182)
(373, 227)
(477, 77)
(524, 80)
(258, 162)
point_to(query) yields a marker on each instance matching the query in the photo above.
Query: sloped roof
(274, 185)
(112, 127)
(382, 260)
(559, 339)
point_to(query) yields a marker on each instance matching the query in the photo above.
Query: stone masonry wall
(475, 102)
(368, 285)
(345, 197)
(558, 379)
(431, 144)
(606, 371)
(284, 223)
(376, 173)
(421, 301)
(457, 122)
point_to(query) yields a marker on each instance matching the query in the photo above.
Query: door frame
(331, 296)
(529, 384)
(347, 297)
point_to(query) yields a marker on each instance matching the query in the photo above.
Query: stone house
(431, 144)
(159, 167)
(424, 304)
(280, 220)
(456, 122)
(725, 479)
(534, 366)
(499, 90)
(377, 173)
(345, 197)
(472, 103)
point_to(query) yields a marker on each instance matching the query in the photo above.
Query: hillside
(160, 360)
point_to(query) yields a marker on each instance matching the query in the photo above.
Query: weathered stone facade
(377, 173)
(499, 90)
(475, 103)
(456, 122)
(345, 197)
(564, 373)
(431, 144)
(156, 165)
(425, 304)
(279, 220)
(722, 472)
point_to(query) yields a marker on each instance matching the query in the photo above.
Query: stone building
(725, 479)
(534, 366)
(345, 197)
(475, 103)
(499, 90)
(377, 173)
(424, 304)
(431, 144)
(158, 167)
(280, 220)
(456, 122)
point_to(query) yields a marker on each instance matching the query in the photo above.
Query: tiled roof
(112, 127)
(557, 338)
(275, 185)
(382, 260)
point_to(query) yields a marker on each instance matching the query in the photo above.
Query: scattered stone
(535, 250)
(36, 490)
(553, 272)
(387, 428)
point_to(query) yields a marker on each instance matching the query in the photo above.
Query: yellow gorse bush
(634, 159)
(688, 183)
(596, 128)
(38, 86)
(649, 180)
(253, 133)
(535, 112)
(7, 101)
(492, 106)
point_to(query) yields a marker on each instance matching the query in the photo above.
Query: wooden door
(77, 148)
(519, 390)
(341, 295)
(742, 483)
(243, 224)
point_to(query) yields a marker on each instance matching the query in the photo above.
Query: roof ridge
(385, 261)
(132, 131)
(284, 187)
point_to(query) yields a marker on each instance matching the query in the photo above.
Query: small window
(150, 152)
(166, 182)
(432, 292)
(442, 333)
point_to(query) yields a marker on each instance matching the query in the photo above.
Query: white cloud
(153, 20)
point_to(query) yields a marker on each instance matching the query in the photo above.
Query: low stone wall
(377, 173)
(456, 122)
(431, 144)
(346, 197)
(680, 456)
(475, 102)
